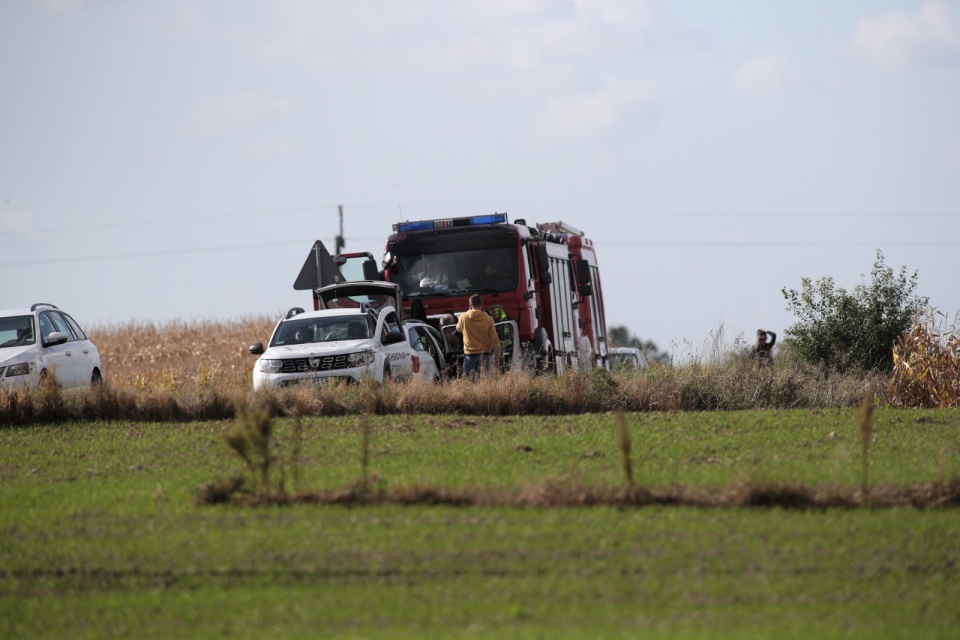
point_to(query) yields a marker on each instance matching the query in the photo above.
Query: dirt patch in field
(932, 495)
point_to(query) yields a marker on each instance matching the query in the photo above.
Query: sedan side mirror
(55, 338)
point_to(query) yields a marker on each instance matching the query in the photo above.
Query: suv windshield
(328, 329)
(16, 331)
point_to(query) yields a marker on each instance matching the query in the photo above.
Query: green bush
(857, 329)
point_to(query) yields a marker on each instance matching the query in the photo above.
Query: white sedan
(42, 342)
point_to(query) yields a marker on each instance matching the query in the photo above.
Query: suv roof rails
(42, 304)
(294, 311)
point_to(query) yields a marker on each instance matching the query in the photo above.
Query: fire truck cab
(540, 282)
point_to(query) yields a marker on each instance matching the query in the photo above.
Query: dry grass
(202, 370)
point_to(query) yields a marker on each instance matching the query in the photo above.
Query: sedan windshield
(328, 329)
(16, 331)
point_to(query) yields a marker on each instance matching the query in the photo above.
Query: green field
(100, 535)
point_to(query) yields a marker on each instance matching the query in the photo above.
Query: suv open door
(354, 295)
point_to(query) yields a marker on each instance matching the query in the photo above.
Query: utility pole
(339, 242)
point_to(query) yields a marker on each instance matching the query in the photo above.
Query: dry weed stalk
(623, 444)
(865, 425)
(366, 426)
(297, 452)
(249, 438)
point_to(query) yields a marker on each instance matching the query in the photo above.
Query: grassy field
(102, 535)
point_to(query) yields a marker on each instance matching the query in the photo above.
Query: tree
(857, 329)
(620, 336)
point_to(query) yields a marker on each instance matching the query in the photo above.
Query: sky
(176, 160)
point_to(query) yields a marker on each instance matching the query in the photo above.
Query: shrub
(852, 330)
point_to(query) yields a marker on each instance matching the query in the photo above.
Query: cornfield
(926, 363)
(179, 355)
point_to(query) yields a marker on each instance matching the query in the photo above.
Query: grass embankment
(102, 536)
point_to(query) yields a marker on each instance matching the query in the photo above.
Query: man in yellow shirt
(480, 341)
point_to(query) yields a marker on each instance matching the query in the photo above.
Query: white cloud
(16, 223)
(430, 35)
(580, 117)
(63, 6)
(764, 75)
(621, 13)
(224, 113)
(540, 54)
(605, 161)
(897, 40)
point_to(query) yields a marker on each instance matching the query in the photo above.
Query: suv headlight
(271, 366)
(20, 369)
(360, 358)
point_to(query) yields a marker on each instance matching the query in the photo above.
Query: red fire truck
(540, 282)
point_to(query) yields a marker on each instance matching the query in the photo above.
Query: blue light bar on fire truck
(447, 223)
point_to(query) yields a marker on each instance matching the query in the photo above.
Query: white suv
(43, 341)
(355, 335)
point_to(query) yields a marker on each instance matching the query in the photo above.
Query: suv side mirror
(256, 348)
(393, 337)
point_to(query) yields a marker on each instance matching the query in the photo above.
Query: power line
(141, 223)
(638, 243)
(800, 215)
(774, 245)
(151, 254)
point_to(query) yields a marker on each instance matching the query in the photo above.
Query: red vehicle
(540, 282)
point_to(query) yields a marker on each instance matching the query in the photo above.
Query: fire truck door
(507, 331)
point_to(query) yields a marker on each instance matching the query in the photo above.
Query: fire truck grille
(321, 363)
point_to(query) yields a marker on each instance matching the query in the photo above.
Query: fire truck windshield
(436, 270)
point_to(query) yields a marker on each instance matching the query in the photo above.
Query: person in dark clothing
(764, 347)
